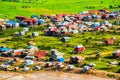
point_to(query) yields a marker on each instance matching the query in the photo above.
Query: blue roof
(29, 47)
(41, 21)
(4, 49)
(61, 60)
(9, 21)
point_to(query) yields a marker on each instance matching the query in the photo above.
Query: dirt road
(48, 76)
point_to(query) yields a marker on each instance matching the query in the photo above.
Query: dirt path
(48, 76)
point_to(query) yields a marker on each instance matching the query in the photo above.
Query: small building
(4, 49)
(20, 18)
(28, 62)
(55, 55)
(116, 53)
(65, 39)
(92, 65)
(40, 54)
(41, 21)
(12, 24)
(76, 59)
(35, 34)
(32, 50)
(96, 24)
(108, 41)
(22, 33)
(26, 29)
(29, 58)
(17, 52)
(16, 34)
(79, 49)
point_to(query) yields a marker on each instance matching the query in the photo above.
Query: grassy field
(11, 9)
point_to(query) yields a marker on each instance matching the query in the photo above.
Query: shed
(94, 16)
(26, 29)
(22, 33)
(40, 54)
(10, 23)
(116, 53)
(17, 52)
(32, 50)
(20, 18)
(56, 55)
(28, 62)
(108, 41)
(79, 48)
(76, 59)
(92, 64)
(41, 21)
(65, 39)
(96, 24)
(35, 34)
(29, 57)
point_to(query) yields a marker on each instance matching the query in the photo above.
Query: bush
(110, 6)
(101, 2)
(111, 75)
(118, 6)
(118, 71)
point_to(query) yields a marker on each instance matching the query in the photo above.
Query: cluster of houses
(21, 21)
(57, 25)
(66, 23)
(24, 32)
(93, 20)
(30, 55)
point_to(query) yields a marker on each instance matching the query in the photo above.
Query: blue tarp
(12, 22)
(29, 47)
(9, 21)
(4, 49)
(40, 21)
(61, 60)
(95, 25)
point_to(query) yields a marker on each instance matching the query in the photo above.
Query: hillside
(8, 8)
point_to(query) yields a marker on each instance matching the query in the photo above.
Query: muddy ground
(48, 75)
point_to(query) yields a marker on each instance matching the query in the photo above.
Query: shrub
(101, 2)
(111, 75)
(118, 71)
(118, 6)
(110, 6)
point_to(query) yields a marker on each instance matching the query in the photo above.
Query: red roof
(97, 28)
(109, 41)
(80, 49)
(40, 54)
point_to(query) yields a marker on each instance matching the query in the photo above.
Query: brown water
(48, 76)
